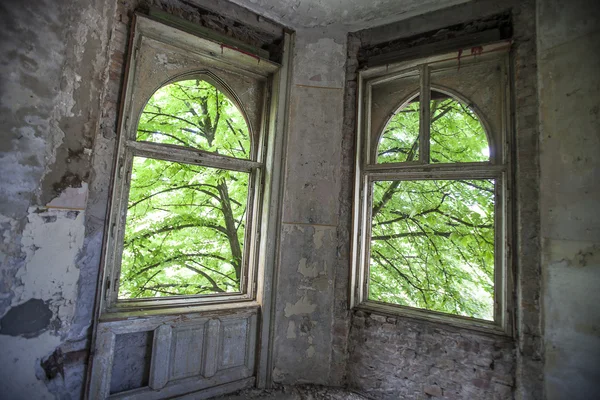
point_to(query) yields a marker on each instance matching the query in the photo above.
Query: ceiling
(350, 15)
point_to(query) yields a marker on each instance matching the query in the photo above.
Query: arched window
(195, 113)
(185, 225)
(456, 133)
(431, 192)
(188, 251)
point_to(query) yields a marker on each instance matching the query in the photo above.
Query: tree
(185, 223)
(432, 241)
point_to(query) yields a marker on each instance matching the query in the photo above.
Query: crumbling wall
(395, 358)
(569, 92)
(53, 60)
(401, 356)
(62, 69)
(309, 269)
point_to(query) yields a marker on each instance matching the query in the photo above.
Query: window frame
(220, 57)
(367, 170)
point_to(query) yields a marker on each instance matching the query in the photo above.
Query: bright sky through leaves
(432, 241)
(184, 233)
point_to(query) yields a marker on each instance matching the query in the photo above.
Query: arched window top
(195, 113)
(456, 132)
(399, 141)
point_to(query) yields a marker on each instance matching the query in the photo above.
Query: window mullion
(424, 115)
(190, 156)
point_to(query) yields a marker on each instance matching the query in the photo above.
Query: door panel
(162, 357)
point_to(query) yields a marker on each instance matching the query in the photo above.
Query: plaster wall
(569, 87)
(52, 65)
(308, 258)
(345, 15)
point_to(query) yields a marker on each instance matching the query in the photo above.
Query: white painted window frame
(498, 168)
(258, 167)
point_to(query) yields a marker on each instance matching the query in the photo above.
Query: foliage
(194, 113)
(185, 224)
(456, 133)
(432, 241)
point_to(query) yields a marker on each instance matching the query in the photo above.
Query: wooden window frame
(498, 168)
(223, 57)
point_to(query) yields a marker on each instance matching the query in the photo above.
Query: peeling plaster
(302, 306)
(51, 242)
(27, 320)
(291, 331)
(51, 248)
(319, 235)
(71, 198)
(310, 271)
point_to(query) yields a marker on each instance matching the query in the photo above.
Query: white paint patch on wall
(309, 270)
(51, 241)
(302, 306)
(71, 198)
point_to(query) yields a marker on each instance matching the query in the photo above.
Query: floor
(301, 392)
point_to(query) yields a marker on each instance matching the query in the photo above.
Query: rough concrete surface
(305, 305)
(52, 62)
(569, 83)
(349, 15)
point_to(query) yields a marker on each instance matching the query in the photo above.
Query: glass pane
(194, 113)
(457, 135)
(184, 233)
(432, 245)
(400, 139)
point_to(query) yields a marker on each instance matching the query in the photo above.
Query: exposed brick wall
(391, 358)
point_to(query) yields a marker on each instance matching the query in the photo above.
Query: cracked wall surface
(569, 87)
(62, 69)
(52, 64)
(308, 261)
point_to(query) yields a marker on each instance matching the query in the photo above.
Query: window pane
(400, 139)
(184, 233)
(457, 135)
(432, 245)
(194, 113)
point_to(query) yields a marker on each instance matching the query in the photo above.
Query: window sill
(129, 312)
(454, 321)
